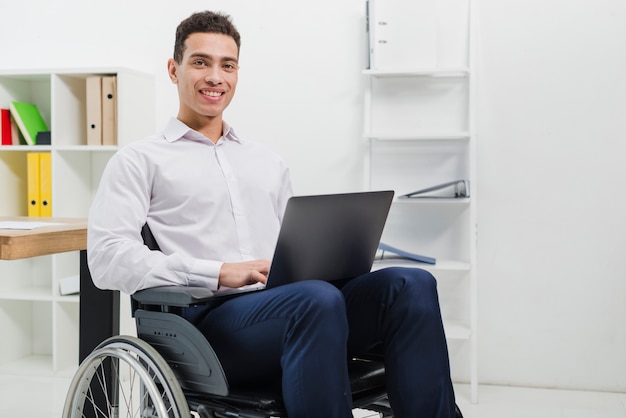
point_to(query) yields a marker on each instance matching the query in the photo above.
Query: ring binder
(452, 189)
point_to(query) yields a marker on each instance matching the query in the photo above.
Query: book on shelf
(69, 285)
(398, 253)
(368, 44)
(402, 38)
(29, 120)
(32, 182)
(101, 105)
(8, 128)
(16, 135)
(44, 138)
(45, 184)
(5, 127)
(109, 110)
(39, 183)
(94, 110)
(450, 190)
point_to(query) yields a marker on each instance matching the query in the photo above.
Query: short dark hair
(207, 22)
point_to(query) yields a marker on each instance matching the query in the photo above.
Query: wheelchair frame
(171, 370)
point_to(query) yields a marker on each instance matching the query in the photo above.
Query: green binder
(29, 120)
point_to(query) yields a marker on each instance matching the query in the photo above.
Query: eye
(199, 63)
(230, 67)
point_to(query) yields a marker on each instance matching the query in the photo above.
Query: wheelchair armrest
(180, 296)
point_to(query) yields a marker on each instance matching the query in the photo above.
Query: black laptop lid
(329, 237)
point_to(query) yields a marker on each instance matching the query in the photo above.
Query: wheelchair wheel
(125, 377)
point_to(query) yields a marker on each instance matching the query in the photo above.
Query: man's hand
(244, 273)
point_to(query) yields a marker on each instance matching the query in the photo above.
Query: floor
(41, 397)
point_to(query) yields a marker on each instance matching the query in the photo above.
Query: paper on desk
(25, 224)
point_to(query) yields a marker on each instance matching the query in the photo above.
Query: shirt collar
(175, 130)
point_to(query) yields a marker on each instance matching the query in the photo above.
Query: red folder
(5, 124)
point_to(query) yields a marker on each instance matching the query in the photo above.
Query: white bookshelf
(419, 125)
(40, 326)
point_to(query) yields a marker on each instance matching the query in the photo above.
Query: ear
(172, 69)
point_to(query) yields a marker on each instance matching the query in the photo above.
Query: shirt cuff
(204, 273)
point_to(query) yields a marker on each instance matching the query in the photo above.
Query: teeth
(212, 93)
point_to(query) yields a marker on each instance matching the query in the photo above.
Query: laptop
(326, 237)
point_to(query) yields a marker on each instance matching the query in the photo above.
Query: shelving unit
(40, 326)
(418, 121)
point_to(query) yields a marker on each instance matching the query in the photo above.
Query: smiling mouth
(212, 93)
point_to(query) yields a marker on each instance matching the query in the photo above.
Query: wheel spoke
(141, 382)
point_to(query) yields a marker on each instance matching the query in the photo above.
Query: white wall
(552, 225)
(551, 94)
(300, 84)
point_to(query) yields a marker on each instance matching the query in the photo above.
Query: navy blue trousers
(303, 333)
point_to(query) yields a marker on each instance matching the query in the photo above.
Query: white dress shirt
(205, 203)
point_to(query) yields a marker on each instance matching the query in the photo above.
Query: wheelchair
(171, 371)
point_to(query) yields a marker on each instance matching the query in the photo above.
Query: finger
(259, 277)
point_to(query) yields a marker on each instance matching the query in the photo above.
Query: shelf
(35, 365)
(425, 72)
(83, 148)
(27, 294)
(75, 298)
(446, 136)
(442, 266)
(43, 74)
(25, 148)
(433, 200)
(418, 129)
(40, 148)
(40, 326)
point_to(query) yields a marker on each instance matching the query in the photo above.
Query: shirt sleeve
(117, 256)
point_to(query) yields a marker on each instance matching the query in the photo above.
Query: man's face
(206, 76)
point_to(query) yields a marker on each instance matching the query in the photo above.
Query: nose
(213, 75)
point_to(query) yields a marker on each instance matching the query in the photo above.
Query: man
(214, 203)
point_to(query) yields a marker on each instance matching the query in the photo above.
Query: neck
(211, 127)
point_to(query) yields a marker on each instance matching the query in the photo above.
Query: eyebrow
(211, 57)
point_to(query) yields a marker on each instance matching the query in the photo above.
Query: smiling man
(206, 76)
(214, 203)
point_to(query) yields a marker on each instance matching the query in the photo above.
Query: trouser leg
(299, 329)
(399, 308)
